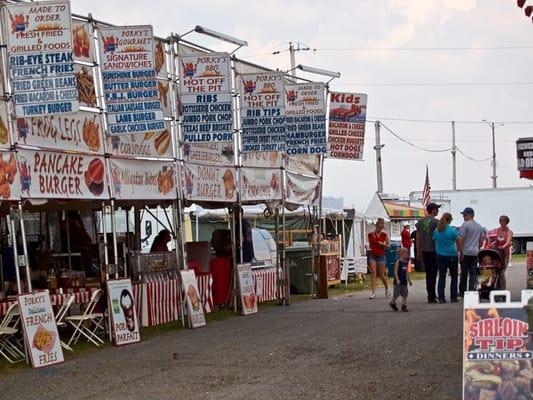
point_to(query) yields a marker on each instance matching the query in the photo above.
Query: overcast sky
(338, 30)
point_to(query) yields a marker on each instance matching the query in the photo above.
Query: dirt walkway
(349, 347)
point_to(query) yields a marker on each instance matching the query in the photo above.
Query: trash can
(391, 255)
(299, 263)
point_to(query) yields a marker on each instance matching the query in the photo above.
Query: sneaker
(373, 296)
(386, 293)
(393, 306)
(404, 308)
(442, 301)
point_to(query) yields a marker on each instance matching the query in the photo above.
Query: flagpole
(454, 159)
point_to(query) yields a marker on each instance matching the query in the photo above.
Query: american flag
(426, 194)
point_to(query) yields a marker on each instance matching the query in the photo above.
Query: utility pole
(494, 184)
(292, 51)
(454, 159)
(378, 148)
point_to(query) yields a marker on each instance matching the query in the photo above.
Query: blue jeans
(468, 274)
(446, 263)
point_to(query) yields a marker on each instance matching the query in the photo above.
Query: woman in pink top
(502, 238)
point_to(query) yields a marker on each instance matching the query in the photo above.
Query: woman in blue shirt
(446, 242)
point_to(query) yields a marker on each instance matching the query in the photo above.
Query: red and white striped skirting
(82, 296)
(162, 301)
(265, 284)
(205, 287)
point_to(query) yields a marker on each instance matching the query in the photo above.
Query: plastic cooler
(221, 271)
(391, 255)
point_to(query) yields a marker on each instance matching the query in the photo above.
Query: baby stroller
(488, 276)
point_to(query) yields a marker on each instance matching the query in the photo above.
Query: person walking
(378, 241)
(446, 243)
(406, 237)
(501, 238)
(471, 237)
(425, 248)
(401, 278)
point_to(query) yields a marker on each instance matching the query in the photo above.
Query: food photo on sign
(47, 174)
(9, 188)
(85, 84)
(83, 41)
(4, 130)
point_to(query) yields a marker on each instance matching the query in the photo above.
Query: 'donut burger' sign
(524, 155)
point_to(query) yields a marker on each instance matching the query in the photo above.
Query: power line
(412, 144)
(425, 84)
(441, 121)
(378, 49)
(472, 158)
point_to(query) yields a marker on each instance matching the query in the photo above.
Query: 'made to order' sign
(40, 58)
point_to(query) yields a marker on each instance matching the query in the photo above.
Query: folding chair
(88, 323)
(9, 345)
(60, 316)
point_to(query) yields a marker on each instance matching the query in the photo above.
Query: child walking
(401, 278)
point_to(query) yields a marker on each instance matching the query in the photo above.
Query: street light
(493, 162)
(222, 36)
(318, 71)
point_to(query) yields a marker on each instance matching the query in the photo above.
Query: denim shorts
(376, 259)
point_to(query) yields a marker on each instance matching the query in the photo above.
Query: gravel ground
(340, 348)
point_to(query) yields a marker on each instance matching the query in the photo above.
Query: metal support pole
(177, 244)
(494, 176)
(454, 159)
(234, 251)
(114, 231)
(13, 233)
(67, 225)
(25, 248)
(104, 232)
(293, 59)
(378, 148)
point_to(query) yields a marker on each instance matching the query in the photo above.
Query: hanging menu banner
(130, 85)
(83, 41)
(40, 58)
(54, 175)
(9, 181)
(260, 184)
(304, 164)
(151, 144)
(347, 117)
(305, 116)
(142, 179)
(40, 329)
(4, 123)
(272, 159)
(80, 132)
(302, 189)
(215, 153)
(207, 115)
(262, 112)
(209, 183)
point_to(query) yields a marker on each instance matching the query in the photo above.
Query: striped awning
(400, 211)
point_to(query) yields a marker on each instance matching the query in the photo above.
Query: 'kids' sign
(347, 117)
(130, 86)
(40, 58)
(207, 114)
(263, 112)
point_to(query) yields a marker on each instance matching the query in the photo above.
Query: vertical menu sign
(347, 117)
(129, 77)
(262, 111)
(305, 112)
(40, 59)
(205, 98)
